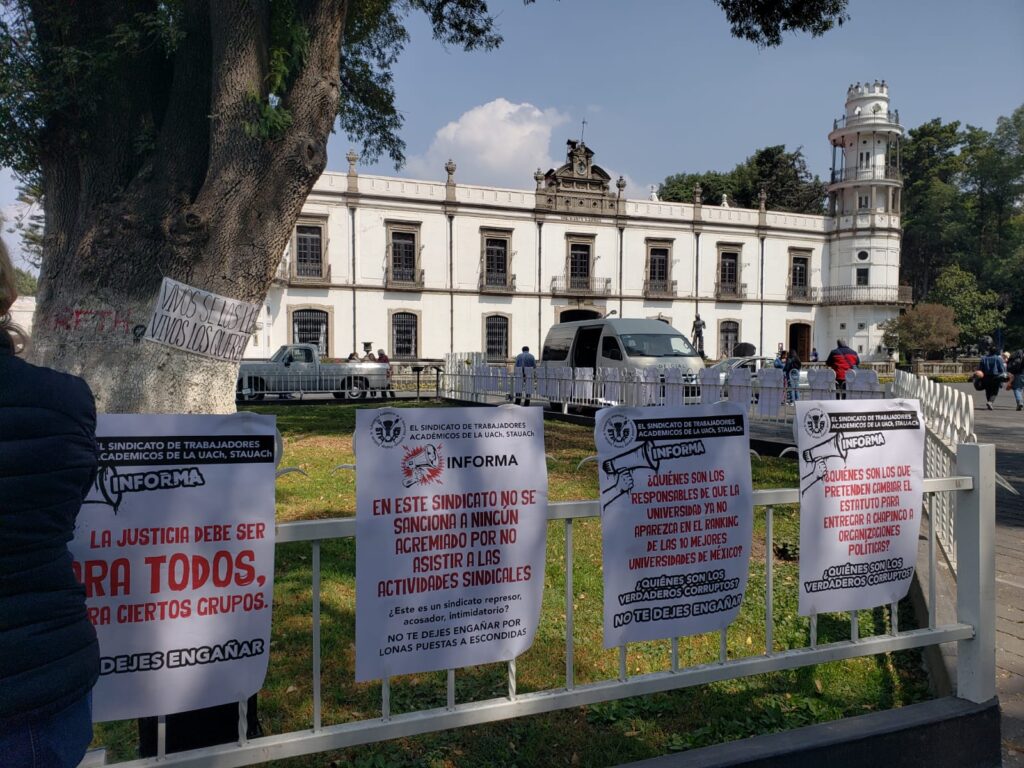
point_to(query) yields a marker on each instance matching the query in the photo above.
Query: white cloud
(498, 143)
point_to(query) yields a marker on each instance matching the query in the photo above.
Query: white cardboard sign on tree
(676, 519)
(861, 473)
(175, 548)
(451, 527)
(201, 322)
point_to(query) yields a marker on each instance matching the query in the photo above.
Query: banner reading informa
(175, 547)
(451, 527)
(861, 470)
(676, 519)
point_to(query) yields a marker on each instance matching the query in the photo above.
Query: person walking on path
(993, 375)
(49, 657)
(842, 359)
(522, 387)
(1015, 367)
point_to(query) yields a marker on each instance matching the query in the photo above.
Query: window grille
(496, 342)
(729, 336)
(309, 326)
(308, 251)
(496, 261)
(403, 257)
(579, 266)
(862, 275)
(404, 332)
(658, 266)
(729, 272)
(799, 276)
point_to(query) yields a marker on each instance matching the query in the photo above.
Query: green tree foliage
(978, 313)
(764, 21)
(25, 282)
(964, 208)
(783, 176)
(922, 329)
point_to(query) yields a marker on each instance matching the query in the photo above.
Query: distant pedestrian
(791, 373)
(1015, 367)
(780, 359)
(524, 360)
(994, 375)
(814, 354)
(842, 359)
(353, 358)
(382, 357)
(49, 657)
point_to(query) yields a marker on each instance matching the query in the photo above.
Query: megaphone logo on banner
(836, 447)
(645, 456)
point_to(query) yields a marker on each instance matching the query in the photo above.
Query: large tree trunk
(210, 205)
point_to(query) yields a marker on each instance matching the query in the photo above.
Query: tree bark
(210, 206)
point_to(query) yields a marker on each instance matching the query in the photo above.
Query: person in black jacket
(49, 658)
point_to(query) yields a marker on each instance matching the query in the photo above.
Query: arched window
(404, 334)
(728, 337)
(496, 341)
(309, 326)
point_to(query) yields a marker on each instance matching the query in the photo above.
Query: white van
(619, 343)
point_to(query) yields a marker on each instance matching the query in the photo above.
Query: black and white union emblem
(388, 429)
(619, 431)
(816, 422)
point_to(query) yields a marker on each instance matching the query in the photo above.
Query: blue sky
(664, 88)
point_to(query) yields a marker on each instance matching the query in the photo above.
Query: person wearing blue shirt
(994, 370)
(524, 360)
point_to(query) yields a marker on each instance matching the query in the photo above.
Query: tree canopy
(964, 218)
(921, 329)
(783, 175)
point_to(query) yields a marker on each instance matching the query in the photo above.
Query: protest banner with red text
(175, 548)
(451, 528)
(861, 473)
(676, 519)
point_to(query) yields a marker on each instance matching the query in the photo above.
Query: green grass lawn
(317, 438)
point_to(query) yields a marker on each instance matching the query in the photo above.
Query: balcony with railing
(867, 294)
(875, 173)
(801, 294)
(575, 285)
(310, 274)
(403, 279)
(497, 282)
(875, 118)
(730, 291)
(659, 289)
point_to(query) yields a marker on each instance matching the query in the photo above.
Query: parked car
(297, 368)
(727, 365)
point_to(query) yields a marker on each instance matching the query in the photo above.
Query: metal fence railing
(767, 395)
(973, 630)
(949, 415)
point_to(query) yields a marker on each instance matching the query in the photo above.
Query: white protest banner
(676, 519)
(451, 527)
(861, 470)
(175, 547)
(201, 322)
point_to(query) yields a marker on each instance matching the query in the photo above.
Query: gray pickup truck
(296, 368)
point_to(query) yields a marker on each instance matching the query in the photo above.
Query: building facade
(424, 268)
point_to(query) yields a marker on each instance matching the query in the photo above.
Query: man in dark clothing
(842, 359)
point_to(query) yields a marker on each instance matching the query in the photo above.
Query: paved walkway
(1004, 427)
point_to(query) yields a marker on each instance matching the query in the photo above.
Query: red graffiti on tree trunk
(96, 320)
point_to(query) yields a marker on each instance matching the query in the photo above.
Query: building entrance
(800, 340)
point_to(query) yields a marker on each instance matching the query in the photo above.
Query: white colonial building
(423, 268)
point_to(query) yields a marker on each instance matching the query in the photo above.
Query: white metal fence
(972, 480)
(768, 396)
(949, 415)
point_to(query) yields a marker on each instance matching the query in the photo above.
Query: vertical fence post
(976, 573)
